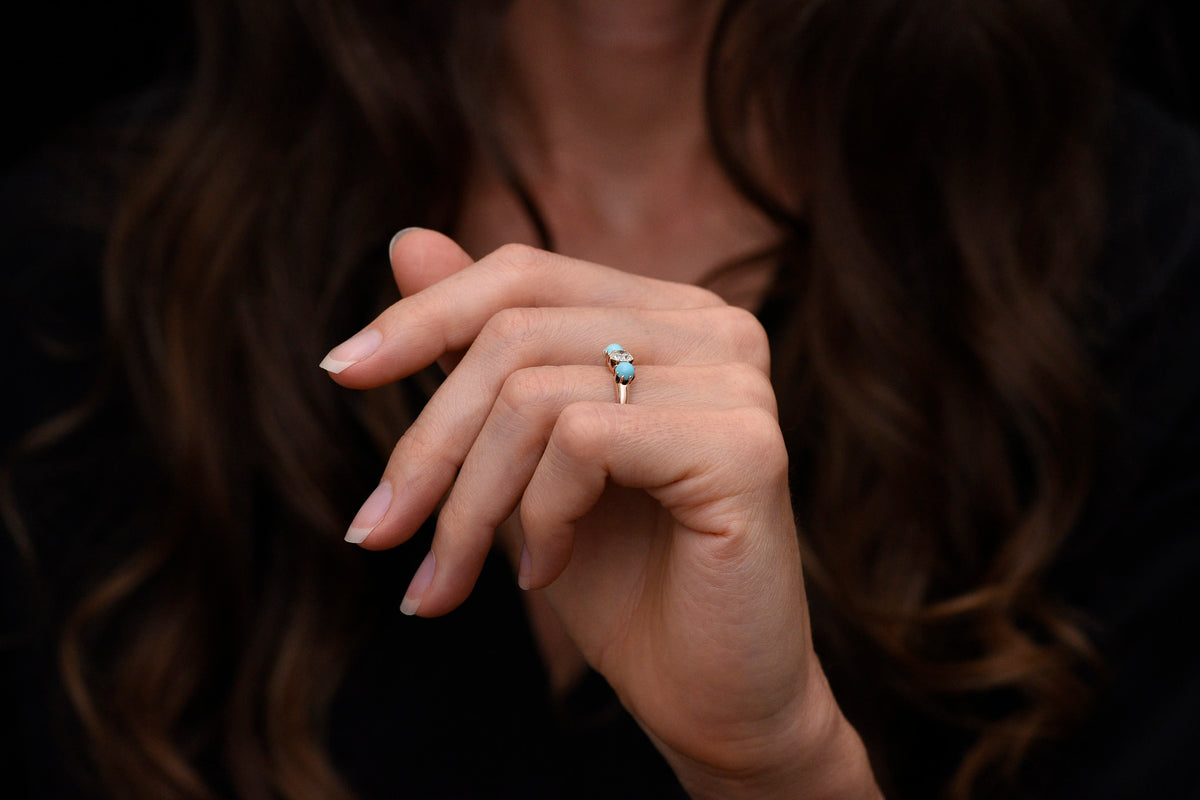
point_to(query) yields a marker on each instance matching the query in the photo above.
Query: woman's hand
(660, 531)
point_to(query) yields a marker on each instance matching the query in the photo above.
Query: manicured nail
(420, 582)
(370, 514)
(352, 351)
(396, 238)
(525, 569)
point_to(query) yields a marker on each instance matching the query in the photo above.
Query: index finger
(447, 316)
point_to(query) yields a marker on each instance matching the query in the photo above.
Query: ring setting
(620, 363)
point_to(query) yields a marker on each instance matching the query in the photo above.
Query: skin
(660, 533)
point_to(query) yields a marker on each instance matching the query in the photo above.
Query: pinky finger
(711, 469)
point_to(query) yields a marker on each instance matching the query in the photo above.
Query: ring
(620, 364)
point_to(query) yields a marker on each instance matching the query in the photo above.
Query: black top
(458, 707)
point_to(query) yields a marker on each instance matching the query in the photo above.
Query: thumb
(421, 257)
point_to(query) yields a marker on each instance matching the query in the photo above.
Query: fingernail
(396, 238)
(420, 582)
(370, 514)
(525, 569)
(352, 351)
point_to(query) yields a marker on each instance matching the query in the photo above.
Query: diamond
(616, 357)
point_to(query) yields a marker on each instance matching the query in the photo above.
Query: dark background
(66, 58)
(1156, 46)
(62, 59)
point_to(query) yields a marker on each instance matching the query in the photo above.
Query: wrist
(816, 755)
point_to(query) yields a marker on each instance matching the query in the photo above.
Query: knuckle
(760, 441)
(510, 327)
(748, 336)
(581, 430)
(518, 258)
(750, 383)
(531, 388)
(452, 517)
(699, 297)
(536, 513)
(416, 446)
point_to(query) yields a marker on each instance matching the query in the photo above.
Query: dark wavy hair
(933, 171)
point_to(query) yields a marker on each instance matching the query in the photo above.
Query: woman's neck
(607, 87)
(601, 108)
